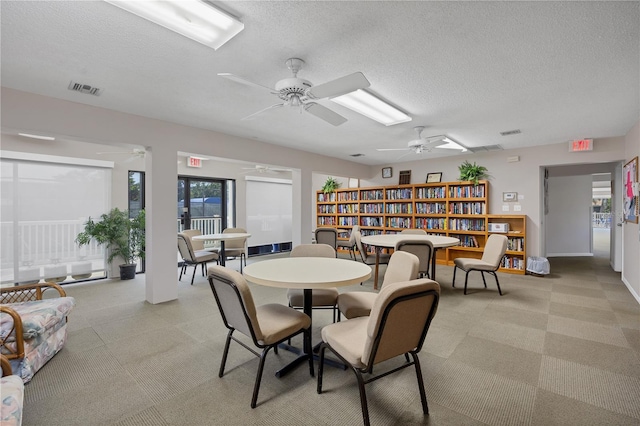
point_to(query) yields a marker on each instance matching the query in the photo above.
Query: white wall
(568, 230)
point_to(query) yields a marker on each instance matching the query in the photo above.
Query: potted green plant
(123, 237)
(330, 185)
(472, 172)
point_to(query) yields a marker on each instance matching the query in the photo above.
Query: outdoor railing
(601, 220)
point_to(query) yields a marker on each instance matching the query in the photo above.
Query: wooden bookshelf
(455, 209)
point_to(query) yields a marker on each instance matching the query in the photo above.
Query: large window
(205, 204)
(44, 205)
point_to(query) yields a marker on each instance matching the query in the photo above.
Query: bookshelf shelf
(457, 209)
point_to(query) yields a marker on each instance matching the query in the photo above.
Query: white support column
(160, 207)
(301, 225)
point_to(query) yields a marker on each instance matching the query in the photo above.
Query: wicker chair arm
(6, 366)
(28, 292)
(16, 331)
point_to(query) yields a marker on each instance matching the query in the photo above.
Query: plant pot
(55, 273)
(128, 271)
(81, 270)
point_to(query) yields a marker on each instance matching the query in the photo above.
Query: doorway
(204, 204)
(601, 215)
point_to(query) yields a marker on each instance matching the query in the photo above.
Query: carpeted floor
(557, 350)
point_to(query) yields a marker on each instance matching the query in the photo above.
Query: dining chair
(193, 257)
(492, 255)
(266, 325)
(350, 244)
(421, 248)
(327, 236)
(198, 244)
(414, 231)
(367, 258)
(403, 266)
(397, 326)
(323, 298)
(236, 248)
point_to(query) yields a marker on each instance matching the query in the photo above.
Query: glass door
(203, 204)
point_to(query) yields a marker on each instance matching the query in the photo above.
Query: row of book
(326, 209)
(515, 244)
(370, 221)
(467, 240)
(348, 196)
(466, 224)
(431, 208)
(512, 262)
(366, 232)
(430, 223)
(399, 194)
(433, 192)
(399, 222)
(371, 208)
(467, 208)
(467, 191)
(347, 208)
(326, 220)
(374, 194)
(347, 220)
(326, 198)
(400, 208)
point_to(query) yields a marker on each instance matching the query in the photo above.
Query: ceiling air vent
(486, 148)
(84, 88)
(511, 132)
(356, 155)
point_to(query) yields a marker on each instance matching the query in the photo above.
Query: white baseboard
(631, 290)
(569, 254)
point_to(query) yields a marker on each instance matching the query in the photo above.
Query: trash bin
(538, 265)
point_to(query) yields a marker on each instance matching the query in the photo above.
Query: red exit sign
(580, 145)
(195, 162)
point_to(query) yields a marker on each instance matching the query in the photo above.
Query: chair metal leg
(181, 271)
(466, 278)
(453, 282)
(423, 395)
(194, 273)
(225, 352)
(497, 283)
(256, 387)
(323, 346)
(363, 397)
(483, 280)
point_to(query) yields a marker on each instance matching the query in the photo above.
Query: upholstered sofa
(33, 328)
(11, 395)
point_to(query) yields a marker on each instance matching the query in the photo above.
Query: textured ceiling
(555, 70)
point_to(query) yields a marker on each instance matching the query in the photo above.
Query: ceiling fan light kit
(427, 144)
(193, 19)
(300, 93)
(373, 107)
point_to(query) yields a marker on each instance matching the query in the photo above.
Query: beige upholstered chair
(368, 259)
(414, 231)
(323, 298)
(491, 257)
(236, 248)
(193, 257)
(398, 325)
(327, 236)
(351, 243)
(403, 266)
(421, 248)
(198, 244)
(266, 325)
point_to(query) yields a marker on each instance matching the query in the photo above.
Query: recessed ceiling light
(193, 19)
(41, 137)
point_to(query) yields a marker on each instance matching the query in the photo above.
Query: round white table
(306, 273)
(222, 238)
(390, 241)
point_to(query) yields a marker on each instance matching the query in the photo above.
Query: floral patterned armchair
(33, 329)
(11, 395)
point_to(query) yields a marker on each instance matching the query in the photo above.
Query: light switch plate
(517, 208)
(505, 207)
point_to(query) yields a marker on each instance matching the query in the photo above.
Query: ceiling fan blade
(393, 149)
(241, 80)
(434, 144)
(339, 86)
(249, 117)
(324, 113)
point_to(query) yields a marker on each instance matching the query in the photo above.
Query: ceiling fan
(298, 92)
(264, 169)
(420, 144)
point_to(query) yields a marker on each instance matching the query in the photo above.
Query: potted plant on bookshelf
(123, 237)
(472, 172)
(330, 185)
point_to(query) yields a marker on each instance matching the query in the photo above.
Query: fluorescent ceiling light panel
(194, 19)
(370, 106)
(451, 144)
(32, 136)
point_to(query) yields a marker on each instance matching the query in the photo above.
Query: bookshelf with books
(455, 209)
(516, 256)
